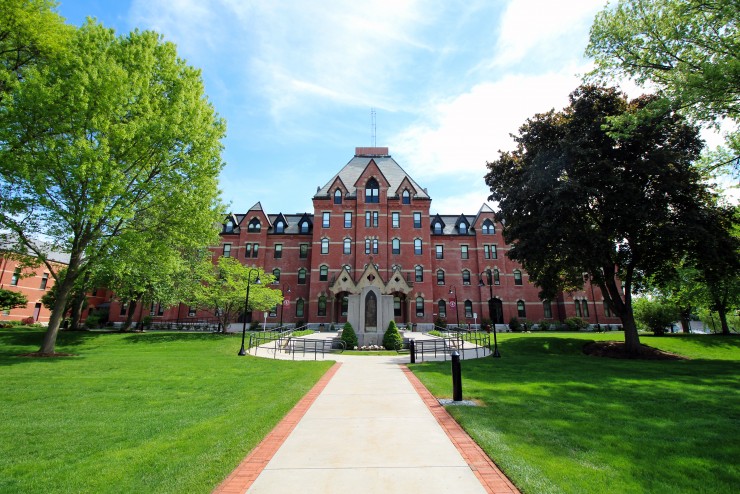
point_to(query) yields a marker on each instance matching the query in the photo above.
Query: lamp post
(453, 291)
(242, 351)
(282, 307)
(494, 317)
(589, 278)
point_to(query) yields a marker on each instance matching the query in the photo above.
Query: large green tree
(576, 198)
(688, 49)
(11, 300)
(104, 140)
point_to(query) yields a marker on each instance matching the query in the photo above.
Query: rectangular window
(440, 253)
(191, 311)
(227, 250)
(396, 246)
(367, 245)
(16, 277)
(303, 251)
(371, 219)
(152, 309)
(486, 252)
(396, 307)
(124, 309)
(417, 220)
(44, 281)
(273, 311)
(375, 246)
(464, 251)
(348, 220)
(494, 254)
(419, 307)
(160, 309)
(247, 250)
(255, 248)
(325, 219)
(547, 309)
(395, 220)
(278, 251)
(324, 245)
(347, 246)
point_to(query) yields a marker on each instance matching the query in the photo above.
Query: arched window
(372, 191)
(419, 274)
(417, 246)
(276, 274)
(322, 306)
(466, 277)
(345, 305)
(437, 228)
(547, 309)
(442, 309)
(323, 273)
(496, 277)
(338, 196)
(303, 227)
(299, 307)
(578, 308)
(280, 227)
(520, 309)
(488, 228)
(419, 307)
(347, 246)
(405, 197)
(440, 277)
(302, 276)
(254, 226)
(468, 309)
(517, 277)
(462, 228)
(397, 306)
(396, 246)
(584, 307)
(229, 227)
(324, 245)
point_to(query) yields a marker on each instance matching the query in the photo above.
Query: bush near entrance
(392, 338)
(349, 337)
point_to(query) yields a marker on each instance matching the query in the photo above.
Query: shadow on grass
(639, 426)
(14, 343)
(179, 336)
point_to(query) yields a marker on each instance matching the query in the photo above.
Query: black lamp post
(282, 307)
(242, 351)
(494, 317)
(453, 291)
(590, 279)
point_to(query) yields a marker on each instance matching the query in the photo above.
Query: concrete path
(366, 428)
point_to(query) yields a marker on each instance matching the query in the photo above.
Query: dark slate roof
(391, 171)
(451, 221)
(292, 221)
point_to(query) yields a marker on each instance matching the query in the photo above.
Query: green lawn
(558, 421)
(150, 412)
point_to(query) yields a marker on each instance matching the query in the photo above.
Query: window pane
(347, 246)
(303, 253)
(348, 220)
(439, 252)
(324, 245)
(417, 220)
(419, 273)
(464, 251)
(325, 219)
(417, 246)
(278, 251)
(301, 276)
(396, 220)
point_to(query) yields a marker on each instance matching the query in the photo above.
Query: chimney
(370, 151)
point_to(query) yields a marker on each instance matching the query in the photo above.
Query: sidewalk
(365, 428)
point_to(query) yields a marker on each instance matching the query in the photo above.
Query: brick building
(371, 251)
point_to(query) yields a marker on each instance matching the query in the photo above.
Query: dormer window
(254, 226)
(488, 228)
(338, 196)
(405, 197)
(437, 228)
(372, 191)
(462, 229)
(304, 227)
(279, 227)
(229, 227)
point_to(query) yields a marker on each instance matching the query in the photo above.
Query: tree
(655, 314)
(30, 32)
(349, 337)
(224, 286)
(576, 198)
(689, 49)
(392, 338)
(11, 300)
(113, 136)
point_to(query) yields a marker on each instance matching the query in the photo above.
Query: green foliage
(440, 322)
(349, 337)
(120, 128)
(392, 338)
(655, 314)
(588, 201)
(514, 324)
(11, 300)
(545, 325)
(575, 324)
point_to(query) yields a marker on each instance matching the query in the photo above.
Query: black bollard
(412, 350)
(456, 377)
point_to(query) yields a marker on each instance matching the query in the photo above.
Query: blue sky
(449, 80)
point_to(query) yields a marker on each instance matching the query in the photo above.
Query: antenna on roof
(372, 126)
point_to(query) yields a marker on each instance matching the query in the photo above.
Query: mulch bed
(616, 349)
(47, 355)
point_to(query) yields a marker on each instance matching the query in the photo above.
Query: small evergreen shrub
(440, 322)
(514, 324)
(544, 325)
(349, 337)
(575, 324)
(392, 338)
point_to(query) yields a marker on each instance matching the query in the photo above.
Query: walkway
(367, 426)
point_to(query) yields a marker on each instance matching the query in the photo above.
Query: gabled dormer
(485, 221)
(371, 184)
(462, 225)
(305, 224)
(338, 191)
(406, 191)
(437, 225)
(230, 225)
(256, 220)
(280, 225)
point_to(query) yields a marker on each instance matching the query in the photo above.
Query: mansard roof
(390, 169)
(292, 221)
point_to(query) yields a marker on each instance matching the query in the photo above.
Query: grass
(558, 421)
(152, 412)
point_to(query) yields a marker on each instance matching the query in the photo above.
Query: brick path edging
(490, 476)
(247, 471)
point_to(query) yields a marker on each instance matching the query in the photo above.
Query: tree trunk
(129, 316)
(77, 302)
(723, 320)
(48, 345)
(631, 338)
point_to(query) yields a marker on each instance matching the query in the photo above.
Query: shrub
(514, 324)
(93, 321)
(440, 322)
(392, 338)
(544, 325)
(486, 324)
(254, 326)
(349, 337)
(575, 324)
(27, 321)
(146, 322)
